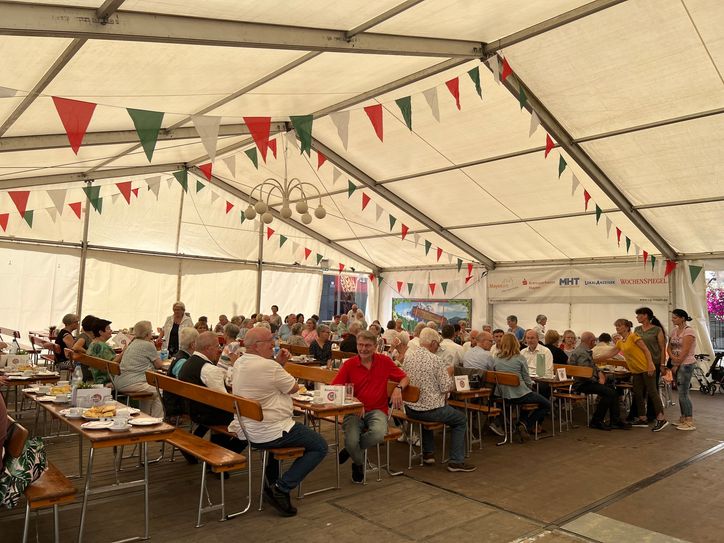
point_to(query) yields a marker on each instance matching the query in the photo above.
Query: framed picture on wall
(412, 311)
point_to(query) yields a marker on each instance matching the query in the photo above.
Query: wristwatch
(399, 386)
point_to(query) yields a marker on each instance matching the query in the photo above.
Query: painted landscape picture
(412, 311)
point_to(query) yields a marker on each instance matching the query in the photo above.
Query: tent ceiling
(474, 184)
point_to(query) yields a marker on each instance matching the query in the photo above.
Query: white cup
(75, 411)
(44, 389)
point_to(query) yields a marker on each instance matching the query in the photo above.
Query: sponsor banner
(585, 284)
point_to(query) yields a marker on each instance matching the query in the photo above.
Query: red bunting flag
(135, 191)
(375, 115)
(587, 198)
(269, 231)
(454, 87)
(365, 200)
(75, 116)
(405, 229)
(507, 70)
(432, 287)
(670, 266)
(229, 207)
(206, 170)
(399, 286)
(272, 144)
(307, 252)
(470, 268)
(259, 128)
(618, 235)
(549, 145)
(75, 206)
(125, 189)
(468, 278)
(321, 159)
(4, 221)
(20, 199)
(341, 267)
(439, 254)
(646, 257)
(372, 277)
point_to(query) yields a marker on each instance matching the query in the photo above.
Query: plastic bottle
(77, 376)
(276, 347)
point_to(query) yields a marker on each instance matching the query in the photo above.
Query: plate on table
(63, 399)
(97, 425)
(145, 421)
(303, 397)
(66, 413)
(45, 398)
(130, 411)
(31, 390)
(46, 373)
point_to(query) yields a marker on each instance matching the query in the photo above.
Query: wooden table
(465, 396)
(19, 380)
(327, 411)
(103, 439)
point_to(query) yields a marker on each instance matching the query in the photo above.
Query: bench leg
(27, 523)
(201, 494)
(387, 466)
(56, 524)
(223, 502)
(88, 478)
(264, 458)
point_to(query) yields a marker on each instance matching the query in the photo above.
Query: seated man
(285, 330)
(349, 344)
(200, 369)
(535, 352)
(259, 377)
(607, 396)
(368, 372)
(434, 377)
(479, 357)
(449, 351)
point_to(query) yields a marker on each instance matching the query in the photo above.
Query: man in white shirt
(259, 377)
(470, 343)
(352, 313)
(534, 352)
(498, 334)
(449, 351)
(414, 342)
(479, 357)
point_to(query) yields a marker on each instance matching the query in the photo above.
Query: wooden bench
(220, 459)
(9, 335)
(39, 344)
(51, 489)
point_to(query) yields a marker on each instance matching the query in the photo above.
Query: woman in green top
(101, 330)
(651, 332)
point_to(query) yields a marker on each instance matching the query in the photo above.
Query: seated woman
(321, 347)
(83, 341)
(399, 346)
(569, 342)
(65, 340)
(509, 359)
(552, 340)
(296, 337)
(310, 331)
(139, 356)
(201, 326)
(231, 351)
(101, 330)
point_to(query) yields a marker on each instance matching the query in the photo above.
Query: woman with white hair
(170, 329)
(139, 356)
(540, 327)
(399, 346)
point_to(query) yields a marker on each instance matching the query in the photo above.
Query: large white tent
(558, 218)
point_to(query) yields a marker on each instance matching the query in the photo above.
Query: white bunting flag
(608, 227)
(208, 130)
(637, 250)
(574, 184)
(378, 212)
(52, 212)
(7, 93)
(58, 198)
(534, 122)
(170, 180)
(431, 97)
(494, 67)
(417, 239)
(114, 197)
(449, 258)
(292, 139)
(336, 174)
(214, 196)
(341, 122)
(295, 248)
(154, 184)
(230, 163)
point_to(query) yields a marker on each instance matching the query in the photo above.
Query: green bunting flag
(561, 165)
(97, 205)
(93, 194)
(251, 153)
(350, 188)
(409, 288)
(444, 287)
(148, 125)
(475, 76)
(28, 216)
(199, 186)
(653, 262)
(694, 272)
(628, 244)
(182, 176)
(428, 244)
(393, 220)
(242, 217)
(522, 98)
(379, 280)
(460, 264)
(319, 258)
(405, 105)
(282, 240)
(303, 125)
(599, 211)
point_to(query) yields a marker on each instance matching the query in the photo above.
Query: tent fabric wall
(293, 292)
(41, 285)
(691, 297)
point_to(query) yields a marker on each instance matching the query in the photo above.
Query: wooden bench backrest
(309, 373)
(39, 342)
(575, 371)
(341, 355)
(296, 350)
(113, 368)
(502, 378)
(9, 333)
(410, 394)
(250, 409)
(14, 445)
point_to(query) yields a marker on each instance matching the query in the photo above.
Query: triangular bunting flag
(182, 176)
(379, 280)
(549, 145)
(229, 206)
(439, 254)
(375, 115)
(507, 70)
(460, 264)
(206, 170)
(114, 198)
(378, 212)
(199, 186)
(169, 181)
(350, 188)
(208, 130)
(618, 236)
(97, 205)
(468, 278)
(54, 212)
(522, 97)
(432, 288)
(431, 99)
(319, 258)
(260, 128)
(393, 220)
(242, 217)
(57, 196)
(653, 262)
(75, 206)
(214, 196)
(444, 287)
(230, 163)
(28, 216)
(428, 244)
(269, 231)
(4, 217)
(475, 77)
(409, 288)
(453, 85)
(574, 184)
(135, 192)
(75, 116)
(251, 153)
(470, 268)
(534, 122)
(694, 271)
(586, 198)
(405, 229)
(637, 250)
(371, 277)
(365, 200)
(282, 240)
(295, 247)
(307, 252)
(341, 123)
(303, 126)
(494, 65)
(670, 266)
(148, 125)
(336, 174)
(628, 244)
(7, 93)
(561, 165)
(125, 189)
(291, 138)
(416, 237)
(20, 199)
(341, 267)
(272, 144)
(321, 159)
(405, 105)
(609, 224)
(646, 257)
(93, 192)
(449, 258)
(598, 213)
(399, 286)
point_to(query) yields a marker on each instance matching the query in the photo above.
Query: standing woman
(682, 346)
(652, 332)
(641, 365)
(169, 332)
(540, 327)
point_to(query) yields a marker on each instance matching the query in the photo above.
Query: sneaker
(343, 456)
(598, 425)
(462, 466)
(497, 430)
(660, 425)
(279, 500)
(686, 426)
(678, 423)
(415, 440)
(640, 423)
(428, 458)
(358, 474)
(523, 432)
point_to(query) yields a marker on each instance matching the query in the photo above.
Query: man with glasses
(259, 377)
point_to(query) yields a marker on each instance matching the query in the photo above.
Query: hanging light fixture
(285, 189)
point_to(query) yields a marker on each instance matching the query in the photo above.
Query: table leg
(336, 440)
(80, 455)
(86, 493)
(144, 446)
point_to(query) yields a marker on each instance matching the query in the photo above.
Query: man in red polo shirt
(369, 372)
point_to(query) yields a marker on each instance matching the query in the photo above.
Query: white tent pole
(83, 254)
(178, 243)
(259, 266)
